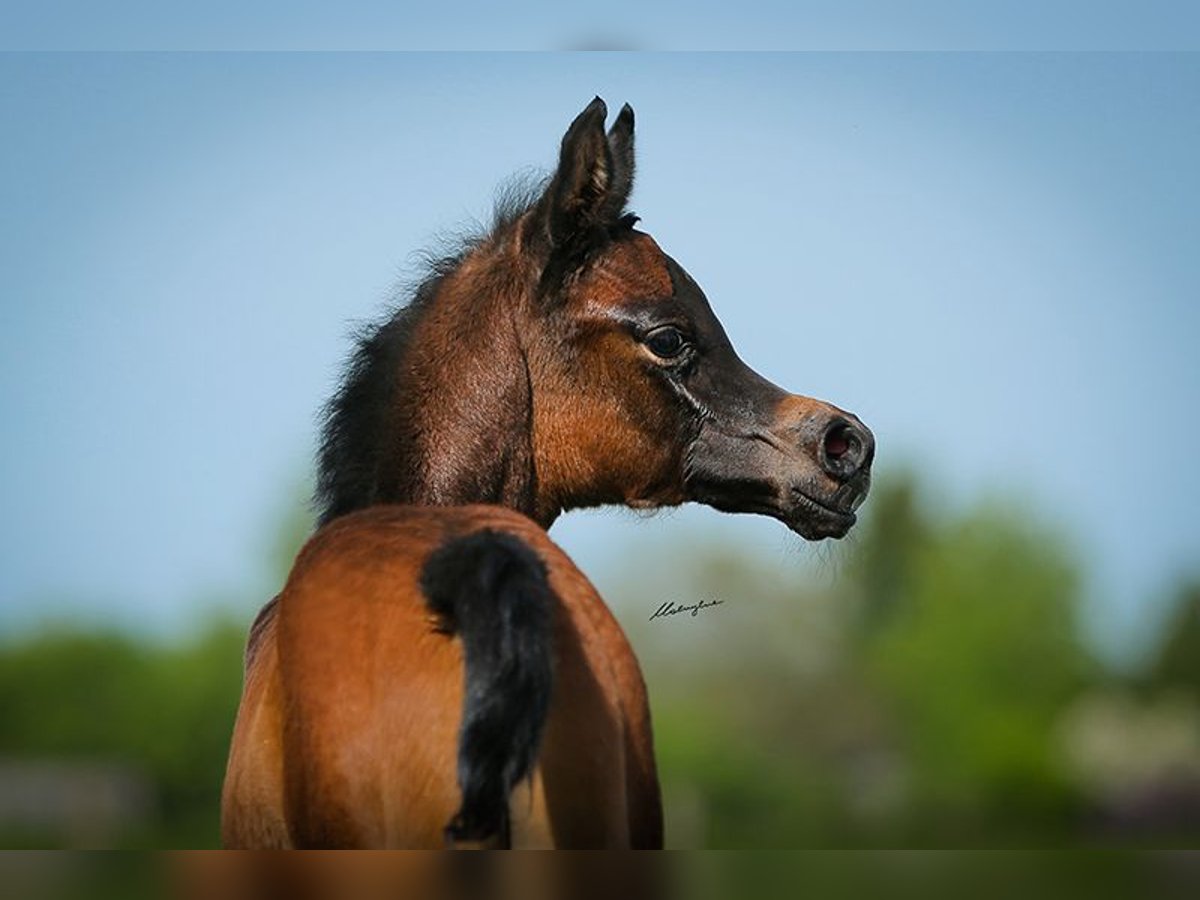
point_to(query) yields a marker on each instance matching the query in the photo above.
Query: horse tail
(492, 591)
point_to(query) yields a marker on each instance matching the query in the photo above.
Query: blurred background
(990, 258)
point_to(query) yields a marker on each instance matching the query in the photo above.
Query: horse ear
(594, 176)
(620, 145)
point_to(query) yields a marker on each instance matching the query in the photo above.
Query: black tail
(492, 590)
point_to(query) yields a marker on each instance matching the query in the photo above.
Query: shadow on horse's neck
(436, 407)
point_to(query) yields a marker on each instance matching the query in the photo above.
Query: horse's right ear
(595, 175)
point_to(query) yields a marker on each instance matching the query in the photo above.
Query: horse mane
(356, 437)
(354, 431)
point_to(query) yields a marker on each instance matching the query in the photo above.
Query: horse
(436, 671)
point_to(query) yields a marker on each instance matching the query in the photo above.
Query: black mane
(355, 433)
(354, 430)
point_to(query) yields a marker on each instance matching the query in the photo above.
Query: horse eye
(666, 342)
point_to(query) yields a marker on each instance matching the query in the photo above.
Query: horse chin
(814, 520)
(809, 518)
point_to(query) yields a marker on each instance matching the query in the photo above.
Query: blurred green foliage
(167, 710)
(938, 692)
(933, 690)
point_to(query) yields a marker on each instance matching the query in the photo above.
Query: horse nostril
(846, 449)
(837, 442)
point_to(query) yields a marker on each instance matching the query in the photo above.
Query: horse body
(374, 697)
(430, 654)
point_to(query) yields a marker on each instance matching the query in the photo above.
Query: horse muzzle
(810, 467)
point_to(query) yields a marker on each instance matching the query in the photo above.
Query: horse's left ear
(594, 177)
(620, 145)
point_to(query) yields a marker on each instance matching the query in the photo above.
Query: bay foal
(436, 670)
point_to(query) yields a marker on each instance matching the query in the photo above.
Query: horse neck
(461, 424)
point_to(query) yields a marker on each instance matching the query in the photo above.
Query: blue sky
(655, 25)
(990, 257)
